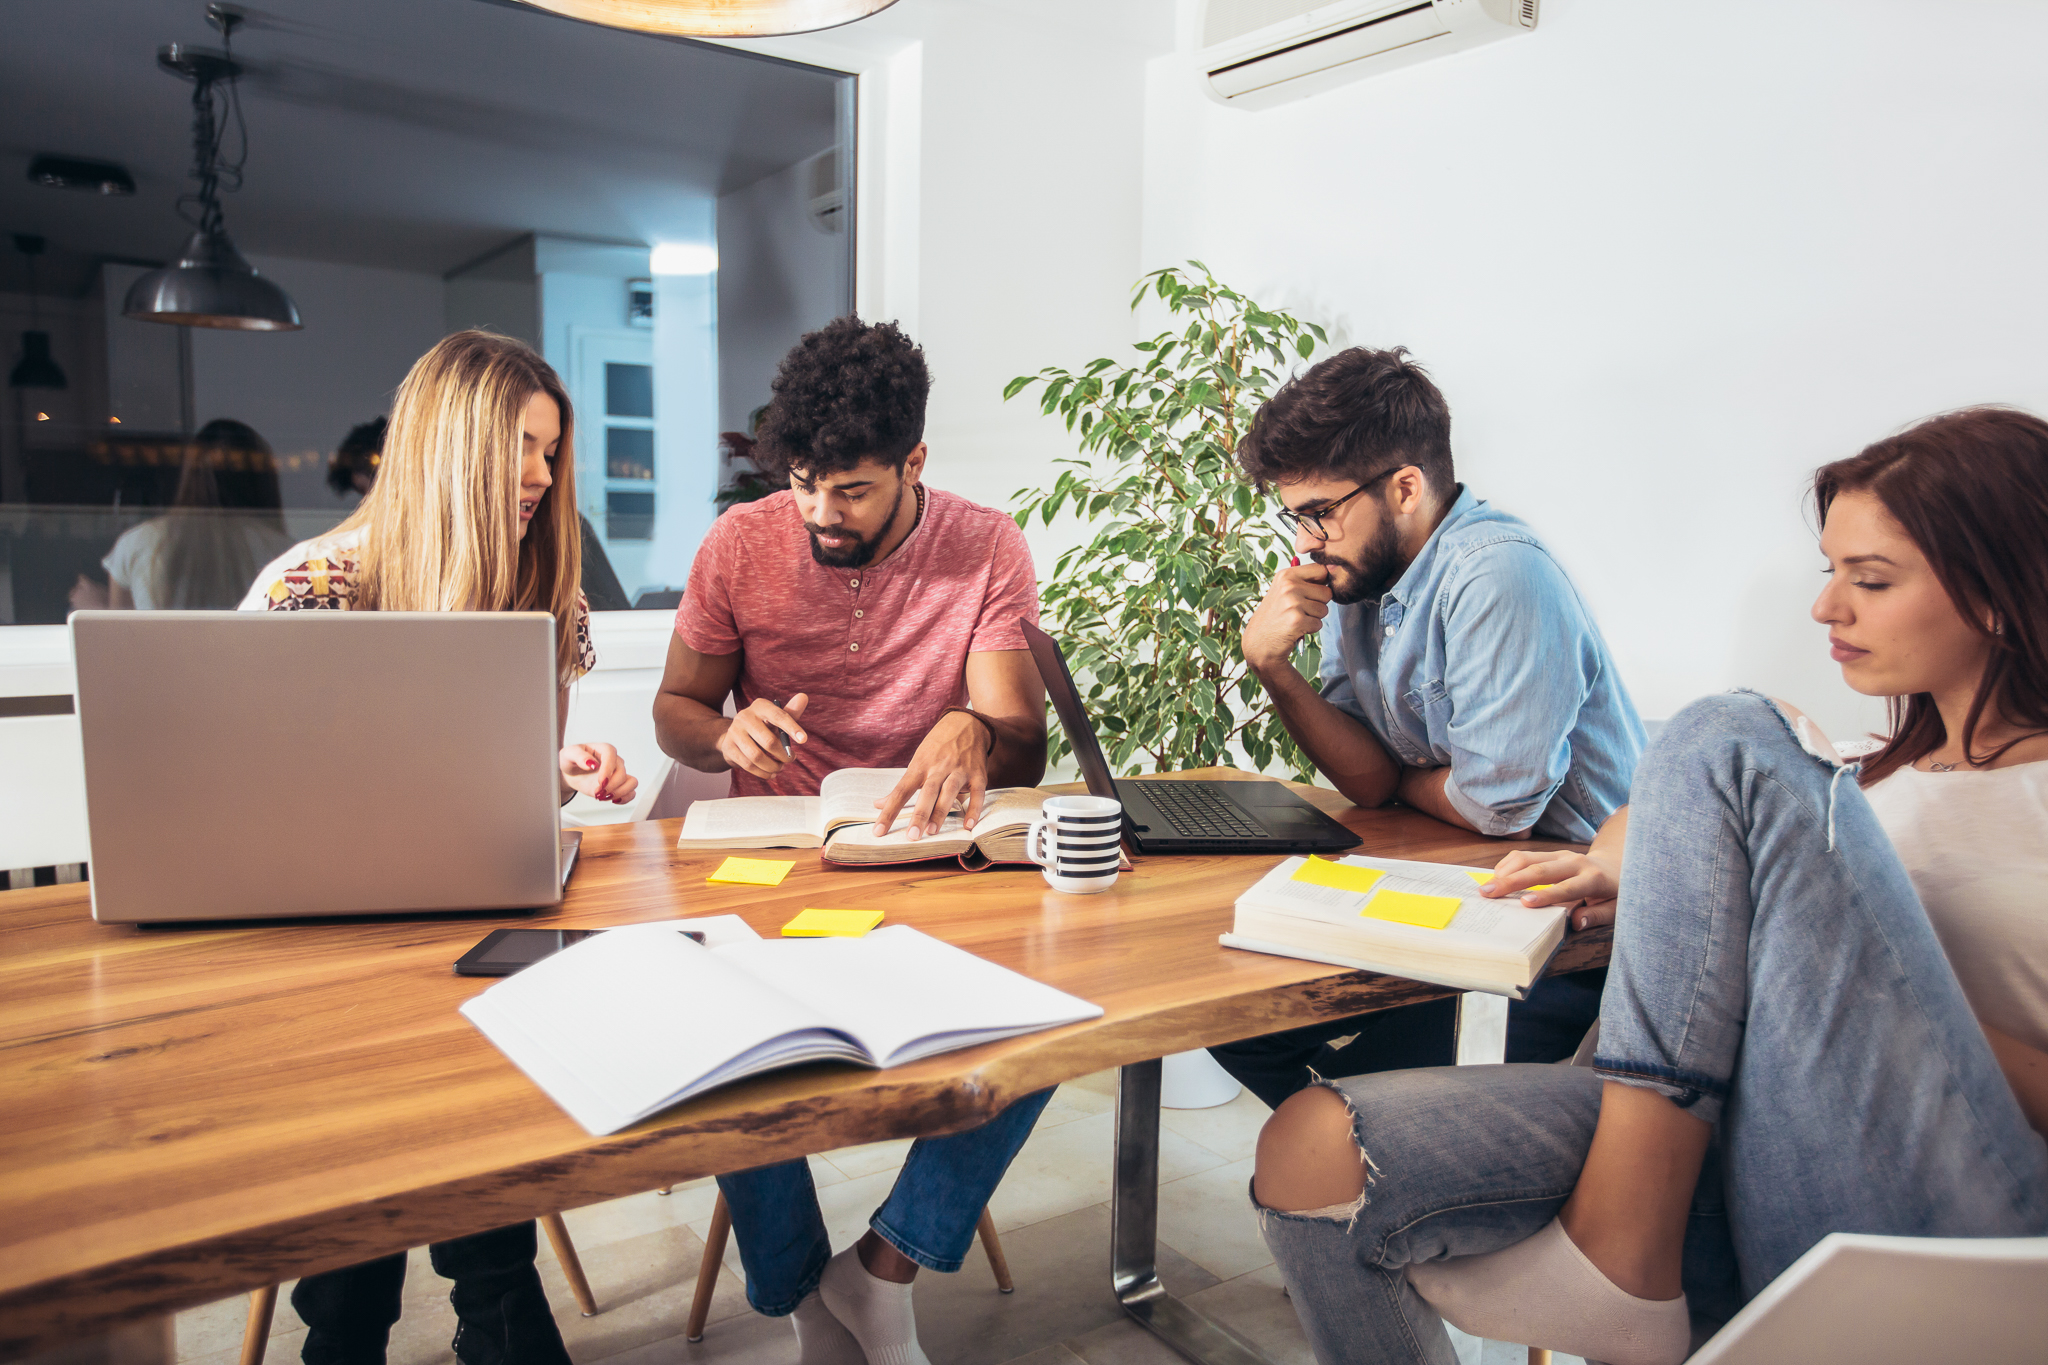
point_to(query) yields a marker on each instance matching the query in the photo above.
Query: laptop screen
(1066, 699)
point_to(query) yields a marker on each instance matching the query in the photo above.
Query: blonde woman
(474, 508)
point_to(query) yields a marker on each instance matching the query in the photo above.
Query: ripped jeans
(1773, 973)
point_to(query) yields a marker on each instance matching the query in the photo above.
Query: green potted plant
(1151, 609)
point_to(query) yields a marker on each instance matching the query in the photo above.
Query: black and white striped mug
(1077, 840)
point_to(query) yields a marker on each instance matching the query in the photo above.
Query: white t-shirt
(1975, 842)
(132, 561)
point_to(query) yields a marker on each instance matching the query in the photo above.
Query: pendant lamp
(717, 18)
(36, 369)
(210, 285)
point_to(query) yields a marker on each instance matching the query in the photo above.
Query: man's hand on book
(755, 741)
(1584, 882)
(949, 768)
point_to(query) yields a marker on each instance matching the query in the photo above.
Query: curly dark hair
(848, 392)
(1355, 415)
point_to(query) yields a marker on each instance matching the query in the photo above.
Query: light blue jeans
(1773, 973)
(929, 1216)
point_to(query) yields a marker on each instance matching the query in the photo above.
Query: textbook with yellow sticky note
(1425, 921)
(633, 1020)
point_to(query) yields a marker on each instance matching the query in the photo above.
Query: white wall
(999, 207)
(304, 390)
(778, 278)
(1664, 260)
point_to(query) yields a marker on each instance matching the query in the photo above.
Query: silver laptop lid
(260, 765)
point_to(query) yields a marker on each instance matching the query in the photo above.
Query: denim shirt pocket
(1421, 699)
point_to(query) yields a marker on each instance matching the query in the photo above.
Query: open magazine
(633, 1020)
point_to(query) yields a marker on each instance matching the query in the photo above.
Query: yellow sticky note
(1484, 877)
(832, 924)
(1406, 907)
(1343, 876)
(751, 872)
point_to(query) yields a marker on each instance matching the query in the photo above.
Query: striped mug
(1076, 839)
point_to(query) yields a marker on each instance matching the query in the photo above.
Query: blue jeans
(929, 1216)
(1773, 973)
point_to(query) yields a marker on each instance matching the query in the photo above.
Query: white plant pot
(1193, 1080)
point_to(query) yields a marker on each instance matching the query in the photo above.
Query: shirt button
(855, 646)
(858, 614)
(1390, 630)
(854, 584)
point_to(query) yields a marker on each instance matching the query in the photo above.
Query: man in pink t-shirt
(855, 618)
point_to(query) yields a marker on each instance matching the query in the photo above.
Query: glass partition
(660, 219)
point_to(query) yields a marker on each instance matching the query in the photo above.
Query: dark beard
(1375, 570)
(863, 548)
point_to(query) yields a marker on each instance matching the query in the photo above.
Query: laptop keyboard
(1198, 810)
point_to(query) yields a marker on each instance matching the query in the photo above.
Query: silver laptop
(284, 765)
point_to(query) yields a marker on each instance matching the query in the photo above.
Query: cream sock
(1544, 1292)
(876, 1311)
(822, 1339)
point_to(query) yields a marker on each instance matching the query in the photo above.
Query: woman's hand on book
(756, 741)
(949, 768)
(596, 770)
(1582, 881)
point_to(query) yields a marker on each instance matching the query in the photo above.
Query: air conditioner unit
(1258, 53)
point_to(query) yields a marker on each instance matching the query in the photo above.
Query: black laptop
(1250, 816)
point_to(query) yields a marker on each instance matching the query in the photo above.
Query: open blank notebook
(627, 1023)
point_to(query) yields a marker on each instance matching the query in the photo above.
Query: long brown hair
(1971, 490)
(440, 524)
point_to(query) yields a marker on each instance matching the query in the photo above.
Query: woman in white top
(474, 509)
(1826, 1012)
(226, 517)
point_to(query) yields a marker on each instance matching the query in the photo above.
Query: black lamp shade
(210, 285)
(36, 370)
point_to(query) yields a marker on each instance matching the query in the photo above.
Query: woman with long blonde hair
(474, 509)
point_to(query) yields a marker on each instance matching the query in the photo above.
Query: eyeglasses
(1294, 521)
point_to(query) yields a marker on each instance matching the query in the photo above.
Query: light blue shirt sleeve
(1521, 658)
(1334, 679)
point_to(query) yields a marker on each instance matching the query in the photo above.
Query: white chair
(42, 797)
(1897, 1301)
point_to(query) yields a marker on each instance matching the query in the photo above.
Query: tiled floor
(641, 1256)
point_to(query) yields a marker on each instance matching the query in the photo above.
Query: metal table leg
(1134, 1232)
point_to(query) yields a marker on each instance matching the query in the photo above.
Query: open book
(631, 1021)
(840, 819)
(1497, 946)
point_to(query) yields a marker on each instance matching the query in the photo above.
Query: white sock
(822, 1339)
(1542, 1291)
(876, 1311)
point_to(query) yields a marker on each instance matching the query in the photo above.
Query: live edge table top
(186, 1113)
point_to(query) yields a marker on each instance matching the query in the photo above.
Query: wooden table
(187, 1113)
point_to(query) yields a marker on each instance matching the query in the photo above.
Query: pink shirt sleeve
(704, 618)
(1012, 593)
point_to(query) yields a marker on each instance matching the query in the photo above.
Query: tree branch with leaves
(1152, 608)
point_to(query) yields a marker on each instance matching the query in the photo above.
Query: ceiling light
(75, 173)
(210, 285)
(36, 369)
(683, 258)
(717, 18)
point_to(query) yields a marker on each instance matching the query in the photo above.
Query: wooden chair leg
(572, 1268)
(708, 1268)
(256, 1336)
(994, 1247)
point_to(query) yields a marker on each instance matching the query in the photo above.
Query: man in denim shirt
(1462, 674)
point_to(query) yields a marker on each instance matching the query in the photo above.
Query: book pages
(752, 822)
